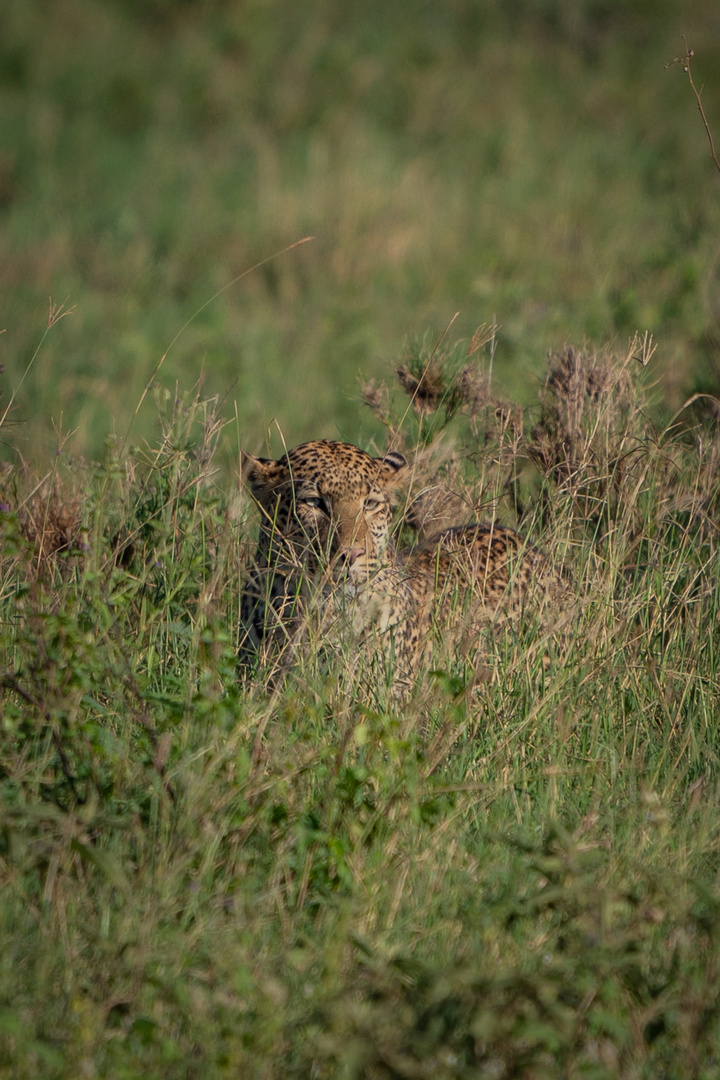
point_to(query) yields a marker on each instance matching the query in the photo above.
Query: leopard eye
(372, 504)
(316, 502)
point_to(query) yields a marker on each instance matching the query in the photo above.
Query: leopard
(323, 504)
(326, 540)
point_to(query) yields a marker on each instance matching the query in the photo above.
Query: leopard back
(445, 592)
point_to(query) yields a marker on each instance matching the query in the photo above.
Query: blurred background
(531, 161)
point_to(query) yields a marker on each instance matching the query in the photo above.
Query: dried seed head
(426, 391)
(472, 389)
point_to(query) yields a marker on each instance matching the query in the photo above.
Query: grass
(516, 877)
(531, 163)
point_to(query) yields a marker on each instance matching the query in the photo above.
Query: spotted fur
(448, 589)
(323, 505)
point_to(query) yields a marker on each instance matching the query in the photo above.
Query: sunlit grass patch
(542, 169)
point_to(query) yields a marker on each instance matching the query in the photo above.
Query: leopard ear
(260, 474)
(393, 469)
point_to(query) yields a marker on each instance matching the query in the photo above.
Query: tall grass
(528, 161)
(510, 876)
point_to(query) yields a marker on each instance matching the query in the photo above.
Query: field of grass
(511, 872)
(532, 162)
(514, 870)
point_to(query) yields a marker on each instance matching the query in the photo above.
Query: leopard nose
(350, 555)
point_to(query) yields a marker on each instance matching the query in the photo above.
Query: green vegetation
(527, 161)
(513, 872)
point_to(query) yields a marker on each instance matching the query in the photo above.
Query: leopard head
(325, 502)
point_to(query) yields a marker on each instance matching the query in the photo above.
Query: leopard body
(325, 534)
